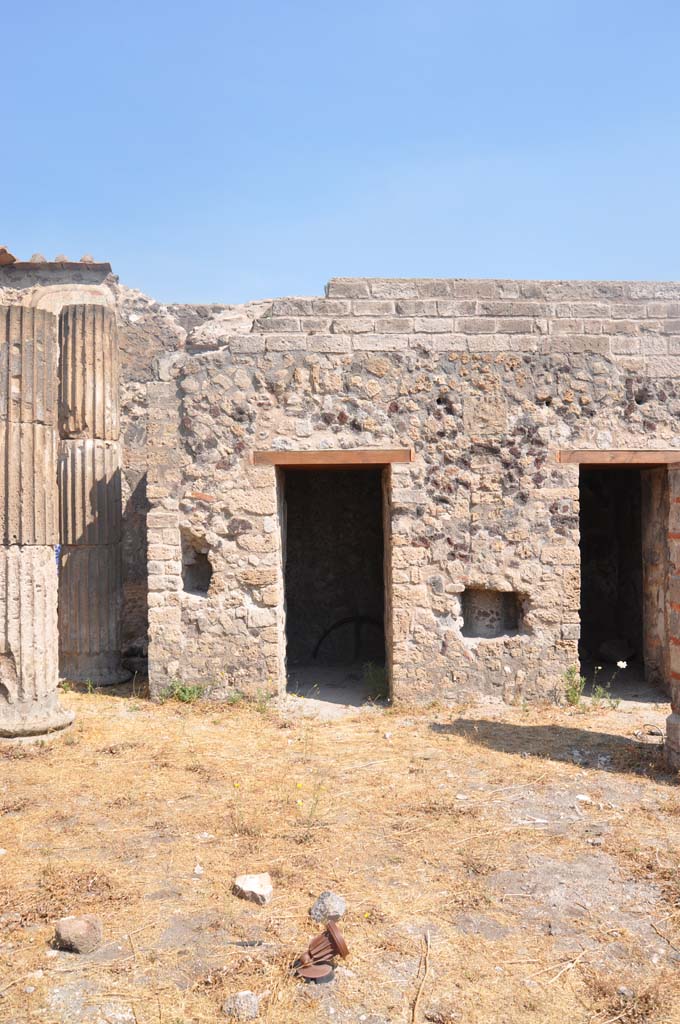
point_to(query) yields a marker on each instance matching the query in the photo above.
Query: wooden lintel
(334, 457)
(621, 457)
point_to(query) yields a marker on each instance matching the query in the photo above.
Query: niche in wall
(491, 613)
(196, 568)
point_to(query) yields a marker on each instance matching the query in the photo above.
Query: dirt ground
(499, 864)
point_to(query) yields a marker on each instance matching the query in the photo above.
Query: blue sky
(225, 151)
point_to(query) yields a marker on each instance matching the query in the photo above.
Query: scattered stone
(38, 257)
(198, 870)
(87, 258)
(61, 258)
(242, 1006)
(328, 907)
(78, 934)
(6, 256)
(256, 888)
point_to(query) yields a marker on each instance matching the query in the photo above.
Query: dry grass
(114, 818)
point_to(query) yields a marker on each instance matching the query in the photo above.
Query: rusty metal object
(314, 964)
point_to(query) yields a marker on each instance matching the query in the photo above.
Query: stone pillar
(673, 617)
(90, 578)
(655, 575)
(28, 524)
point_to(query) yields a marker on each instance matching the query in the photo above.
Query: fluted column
(90, 578)
(28, 524)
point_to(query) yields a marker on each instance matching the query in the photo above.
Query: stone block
(433, 325)
(347, 288)
(380, 342)
(247, 343)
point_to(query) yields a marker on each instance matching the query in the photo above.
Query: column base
(672, 747)
(26, 721)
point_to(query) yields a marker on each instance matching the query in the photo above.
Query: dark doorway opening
(620, 513)
(334, 583)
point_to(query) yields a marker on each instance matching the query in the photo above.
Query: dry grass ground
(539, 850)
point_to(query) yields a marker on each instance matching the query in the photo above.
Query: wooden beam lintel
(620, 457)
(333, 457)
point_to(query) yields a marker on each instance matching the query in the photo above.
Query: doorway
(623, 570)
(334, 580)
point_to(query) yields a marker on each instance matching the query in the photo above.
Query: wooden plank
(334, 457)
(621, 457)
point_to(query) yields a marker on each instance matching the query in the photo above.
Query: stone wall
(485, 380)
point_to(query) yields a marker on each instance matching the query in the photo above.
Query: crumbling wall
(485, 379)
(150, 334)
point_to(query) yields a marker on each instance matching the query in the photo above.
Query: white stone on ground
(242, 1006)
(256, 888)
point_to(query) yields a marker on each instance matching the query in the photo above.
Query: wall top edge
(27, 265)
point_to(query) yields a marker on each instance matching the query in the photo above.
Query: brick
(374, 307)
(286, 342)
(329, 343)
(439, 342)
(625, 345)
(434, 325)
(246, 343)
(347, 288)
(515, 325)
(277, 324)
(417, 307)
(292, 307)
(386, 288)
(353, 325)
(475, 325)
(380, 342)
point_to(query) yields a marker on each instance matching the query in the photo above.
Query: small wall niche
(196, 568)
(488, 614)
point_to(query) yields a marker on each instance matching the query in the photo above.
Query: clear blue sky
(221, 151)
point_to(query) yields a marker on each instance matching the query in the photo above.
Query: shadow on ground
(137, 688)
(573, 745)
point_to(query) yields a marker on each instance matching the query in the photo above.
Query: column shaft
(28, 524)
(90, 579)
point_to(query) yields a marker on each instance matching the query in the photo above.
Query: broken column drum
(90, 578)
(28, 524)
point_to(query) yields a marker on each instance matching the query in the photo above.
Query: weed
(262, 701)
(375, 681)
(65, 685)
(575, 684)
(234, 697)
(186, 693)
(310, 816)
(602, 693)
(89, 686)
